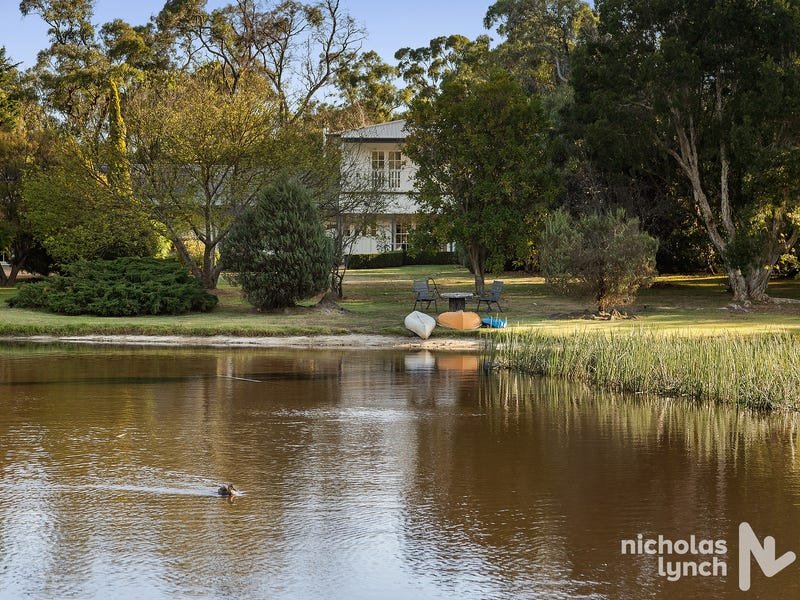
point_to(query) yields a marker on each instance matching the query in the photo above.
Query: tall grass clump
(759, 371)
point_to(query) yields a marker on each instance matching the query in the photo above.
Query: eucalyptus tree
(539, 38)
(9, 90)
(199, 155)
(716, 87)
(367, 91)
(298, 47)
(424, 69)
(72, 73)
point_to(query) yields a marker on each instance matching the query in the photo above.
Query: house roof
(393, 131)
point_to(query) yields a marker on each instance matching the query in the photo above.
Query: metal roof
(393, 131)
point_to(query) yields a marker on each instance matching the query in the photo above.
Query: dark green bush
(375, 261)
(398, 258)
(431, 258)
(278, 250)
(116, 288)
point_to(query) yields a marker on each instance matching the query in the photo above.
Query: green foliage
(483, 151)
(398, 258)
(428, 257)
(24, 148)
(424, 69)
(115, 288)
(278, 249)
(604, 256)
(787, 267)
(76, 214)
(715, 87)
(200, 156)
(9, 105)
(72, 72)
(368, 89)
(540, 37)
(297, 47)
(119, 169)
(380, 260)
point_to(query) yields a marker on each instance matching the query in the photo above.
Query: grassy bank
(757, 371)
(377, 300)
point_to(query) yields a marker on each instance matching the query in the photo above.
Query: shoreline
(353, 341)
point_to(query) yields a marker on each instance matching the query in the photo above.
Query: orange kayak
(459, 320)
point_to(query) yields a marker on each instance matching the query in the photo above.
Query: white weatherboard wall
(362, 149)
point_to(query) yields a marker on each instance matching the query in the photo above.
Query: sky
(390, 25)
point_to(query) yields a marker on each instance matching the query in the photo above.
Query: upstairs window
(395, 164)
(378, 169)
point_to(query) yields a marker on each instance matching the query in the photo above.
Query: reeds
(758, 371)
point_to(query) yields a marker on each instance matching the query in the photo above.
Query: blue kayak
(494, 322)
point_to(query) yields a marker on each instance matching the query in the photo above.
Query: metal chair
(491, 297)
(423, 292)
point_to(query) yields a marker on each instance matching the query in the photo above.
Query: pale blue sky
(390, 24)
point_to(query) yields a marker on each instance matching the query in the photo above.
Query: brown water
(366, 475)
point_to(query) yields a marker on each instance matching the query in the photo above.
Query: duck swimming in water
(227, 490)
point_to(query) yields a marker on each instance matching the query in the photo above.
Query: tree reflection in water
(366, 474)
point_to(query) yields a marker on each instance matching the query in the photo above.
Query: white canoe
(420, 323)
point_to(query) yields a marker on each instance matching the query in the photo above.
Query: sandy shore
(344, 342)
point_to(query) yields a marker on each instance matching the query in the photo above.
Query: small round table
(457, 300)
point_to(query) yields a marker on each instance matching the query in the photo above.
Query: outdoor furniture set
(426, 291)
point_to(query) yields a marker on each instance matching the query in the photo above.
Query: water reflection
(365, 475)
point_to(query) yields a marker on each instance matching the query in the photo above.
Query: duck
(227, 490)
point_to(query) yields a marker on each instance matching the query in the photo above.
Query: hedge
(399, 258)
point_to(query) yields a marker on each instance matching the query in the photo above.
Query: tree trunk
(210, 268)
(749, 287)
(12, 277)
(186, 258)
(477, 259)
(337, 283)
(329, 301)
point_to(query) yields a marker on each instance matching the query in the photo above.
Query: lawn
(377, 300)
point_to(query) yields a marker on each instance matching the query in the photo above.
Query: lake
(369, 474)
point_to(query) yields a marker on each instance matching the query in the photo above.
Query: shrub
(278, 250)
(114, 288)
(399, 259)
(431, 258)
(374, 261)
(605, 256)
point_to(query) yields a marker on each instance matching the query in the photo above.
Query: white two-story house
(374, 159)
